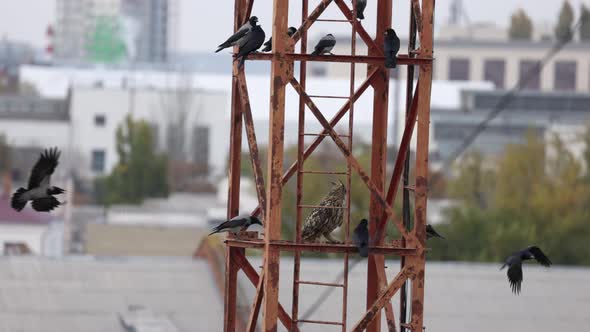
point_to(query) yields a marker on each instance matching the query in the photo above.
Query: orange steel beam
(354, 163)
(256, 305)
(399, 163)
(233, 201)
(402, 59)
(382, 279)
(310, 20)
(384, 297)
(241, 261)
(248, 12)
(281, 70)
(333, 122)
(251, 135)
(321, 247)
(378, 155)
(372, 45)
(421, 168)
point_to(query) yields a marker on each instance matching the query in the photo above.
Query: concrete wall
(31, 235)
(126, 240)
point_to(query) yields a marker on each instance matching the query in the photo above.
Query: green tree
(140, 172)
(563, 30)
(521, 26)
(538, 197)
(585, 24)
(105, 43)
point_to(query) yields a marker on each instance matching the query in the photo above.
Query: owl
(324, 220)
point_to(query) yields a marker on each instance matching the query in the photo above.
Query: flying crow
(39, 189)
(325, 45)
(236, 37)
(360, 237)
(236, 224)
(250, 43)
(391, 46)
(430, 233)
(514, 263)
(268, 44)
(360, 9)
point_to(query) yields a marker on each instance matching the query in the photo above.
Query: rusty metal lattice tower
(411, 246)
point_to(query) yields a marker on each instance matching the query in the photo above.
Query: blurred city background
(134, 96)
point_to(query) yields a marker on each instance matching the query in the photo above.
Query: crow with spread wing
(39, 189)
(514, 263)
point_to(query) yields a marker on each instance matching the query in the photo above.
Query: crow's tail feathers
(360, 15)
(390, 62)
(315, 52)
(17, 202)
(364, 250)
(242, 60)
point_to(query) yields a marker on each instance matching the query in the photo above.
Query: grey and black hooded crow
(268, 44)
(39, 189)
(325, 45)
(238, 35)
(514, 263)
(250, 43)
(236, 224)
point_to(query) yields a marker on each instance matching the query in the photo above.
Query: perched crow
(250, 43)
(236, 37)
(514, 263)
(268, 44)
(430, 233)
(360, 237)
(39, 189)
(391, 46)
(360, 9)
(325, 45)
(326, 218)
(236, 224)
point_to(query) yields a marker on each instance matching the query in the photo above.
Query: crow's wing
(234, 222)
(252, 42)
(360, 238)
(242, 31)
(539, 256)
(515, 276)
(45, 204)
(44, 167)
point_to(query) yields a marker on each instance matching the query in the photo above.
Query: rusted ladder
(301, 172)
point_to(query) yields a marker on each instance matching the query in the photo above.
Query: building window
(494, 71)
(529, 75)
(100, 120)
(98, 160)
(459, 69)
(565, 75)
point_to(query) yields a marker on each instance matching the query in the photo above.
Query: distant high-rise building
(114, 30)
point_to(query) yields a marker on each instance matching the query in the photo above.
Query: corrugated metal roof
(88, 294)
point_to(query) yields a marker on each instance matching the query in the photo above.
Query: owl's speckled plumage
(324, 220)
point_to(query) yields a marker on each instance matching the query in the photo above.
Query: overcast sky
(201, 29)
